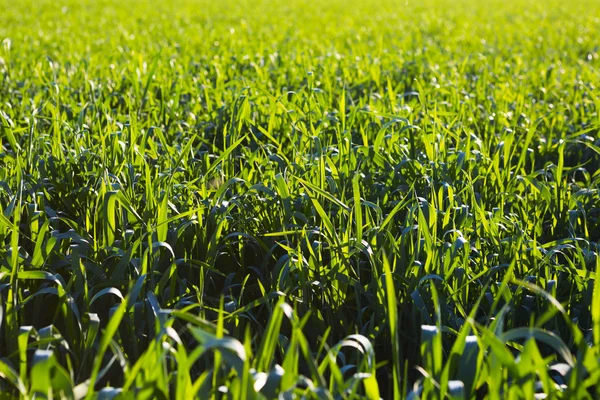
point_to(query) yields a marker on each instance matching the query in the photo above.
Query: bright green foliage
(328, 199)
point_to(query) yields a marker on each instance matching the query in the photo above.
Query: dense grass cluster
(328, 199)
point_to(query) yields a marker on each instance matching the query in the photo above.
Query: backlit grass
(320, 199)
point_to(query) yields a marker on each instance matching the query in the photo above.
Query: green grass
(321, 199)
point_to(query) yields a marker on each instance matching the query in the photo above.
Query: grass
(316, 199)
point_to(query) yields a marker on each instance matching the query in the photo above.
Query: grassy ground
(329, 199)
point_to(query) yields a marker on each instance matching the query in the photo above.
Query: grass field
(308, 199)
